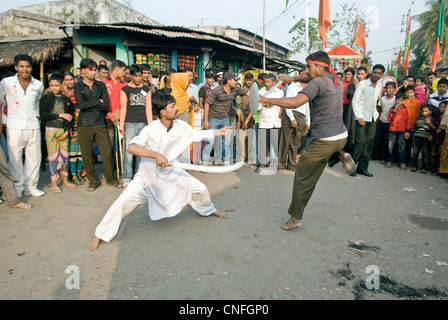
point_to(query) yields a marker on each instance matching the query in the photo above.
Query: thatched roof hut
(39, 49)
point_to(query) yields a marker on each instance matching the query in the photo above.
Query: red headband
(320, 63)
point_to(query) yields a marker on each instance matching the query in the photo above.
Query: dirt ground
(395, 222)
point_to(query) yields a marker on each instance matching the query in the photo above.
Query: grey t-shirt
(220, 102)
(385, 105)
(326, 107)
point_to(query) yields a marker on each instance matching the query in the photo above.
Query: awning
(39, 49)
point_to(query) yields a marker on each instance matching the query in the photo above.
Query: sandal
(71, 185)
(414, 169)
(423, 171)
(92, 187)
(117, 184)
(55, 189)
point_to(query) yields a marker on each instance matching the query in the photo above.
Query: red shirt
(344, 96)
(401, 120)
(114, 89)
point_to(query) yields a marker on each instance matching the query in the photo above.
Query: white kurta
(166, 190)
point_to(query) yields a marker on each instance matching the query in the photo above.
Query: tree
(423, 39)
(343, 23)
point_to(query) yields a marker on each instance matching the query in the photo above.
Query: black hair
(400, 95)
(68, 73)
(56, 77)
(443, 70)
(145, 67)
(321, 56)
(103, 66)
(408, 77)
(409, 88)
(429, 106)
(248, 75)
(431, 74)
(159, 102)
(443, 81)
(209, 75)
(379, 66)
(133, 69)
(155, 73)
(269, 76)
(444, 101)
(420, 78)
(261, 76)
(391, 83)
(117, 64)
(22, 57)
(87, 63)
(209, 70)
(362, 69)
(352, 70)
(364, 60)
(170, 71)
(52, 71)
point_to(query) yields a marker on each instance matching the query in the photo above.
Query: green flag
(439, 31)
(287, 2)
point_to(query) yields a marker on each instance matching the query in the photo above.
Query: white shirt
(23, 107)
(168, 189)
(292, 91)
(365, 100)
(269, 116)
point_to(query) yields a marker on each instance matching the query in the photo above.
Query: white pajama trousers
(24, 141)
(135, 194)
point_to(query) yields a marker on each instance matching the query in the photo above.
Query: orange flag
(324, 20)
(361, 37)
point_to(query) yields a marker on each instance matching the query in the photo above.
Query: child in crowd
(380, 144)
(400, 122)
(423, 132)
(414, 109)
(439, 95)
(155, 74)
(135, 114)
(74, 152)
(441, 141)
(56, 112)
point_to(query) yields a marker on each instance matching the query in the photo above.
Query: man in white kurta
(166, 189)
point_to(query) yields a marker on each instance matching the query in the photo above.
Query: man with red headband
(327, 129)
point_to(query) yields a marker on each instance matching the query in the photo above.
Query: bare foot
(219, 214)
(292, 223)
(94, 243)
(22, 205)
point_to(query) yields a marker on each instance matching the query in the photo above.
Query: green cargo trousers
(308, 171)
(87, 134)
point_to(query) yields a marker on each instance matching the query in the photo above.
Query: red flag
(436, 55)
(398, 63)
(324, 20)
(361, 37)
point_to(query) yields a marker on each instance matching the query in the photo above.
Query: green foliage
(343, 29)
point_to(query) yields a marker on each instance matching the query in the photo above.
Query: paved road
(394, 224)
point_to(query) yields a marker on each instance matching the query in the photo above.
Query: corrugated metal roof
(171, 32)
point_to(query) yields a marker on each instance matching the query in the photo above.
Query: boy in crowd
(380, 144)
(135, 114)
(400, 122)
(440, 94)
(423, 132)
(414, 109)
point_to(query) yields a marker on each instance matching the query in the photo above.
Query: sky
(385, 37)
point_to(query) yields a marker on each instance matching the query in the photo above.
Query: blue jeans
(131, 129)
(396, 141)
(221, 145)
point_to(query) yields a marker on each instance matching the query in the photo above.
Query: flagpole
(307, 39)
(264, 36)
